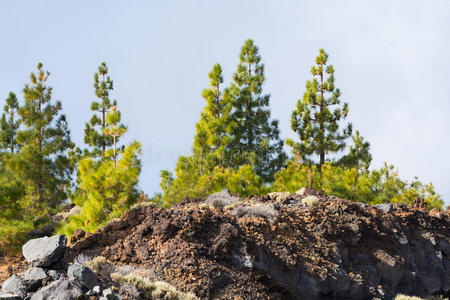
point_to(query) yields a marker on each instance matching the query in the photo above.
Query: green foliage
(94, 134)
(372, 187)
(9, 124)
(190, 184)
(359, 156)
(255, 140)
(114, 129)
(236, 146)
(105, 191)
(36, 169)
(317, 117)
(44, 143)
(212, 138)
(14, 223)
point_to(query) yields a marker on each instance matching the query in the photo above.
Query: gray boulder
(83, 274)
(15, 285)
(44, 251)
(33, 278)
(61, 289)
(8, 296)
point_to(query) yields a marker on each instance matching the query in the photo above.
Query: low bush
(405, 297)
(310, 201)
(257, 210)
(152, 289)
(101, 266)
(221, 199)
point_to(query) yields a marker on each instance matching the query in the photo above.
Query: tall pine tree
(42, 161)
(9, 124)
(256, 137)
(94, 132)
(317, 117)
(213, 130)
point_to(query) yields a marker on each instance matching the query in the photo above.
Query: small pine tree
(94, 132)
(256, 138)
(9, 124)
(44, 142)
(213, 130)
(359, 156)
(317, 117)
(105, 190)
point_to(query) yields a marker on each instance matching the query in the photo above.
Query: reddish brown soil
(11, 265)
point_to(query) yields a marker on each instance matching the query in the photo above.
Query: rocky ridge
(300, 246)
(281, 246)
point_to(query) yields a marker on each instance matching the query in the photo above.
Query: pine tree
(94, 132)
(114, 129)
(359, 156)
(213, 130)
(317, 117)
(9, 124)
(105, 190)
(42, 161)
(256, 138)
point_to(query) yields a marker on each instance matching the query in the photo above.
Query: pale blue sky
(392, 61)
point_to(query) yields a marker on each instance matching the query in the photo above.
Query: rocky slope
(299, 246)
(281, 246)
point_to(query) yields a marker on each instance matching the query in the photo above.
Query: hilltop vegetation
(237, 145)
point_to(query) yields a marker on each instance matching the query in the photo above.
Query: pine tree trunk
(103, 123)
(39, 183)
(115, 152)
(249, 110)
(12, 131)
(103, 135)
(322, 129)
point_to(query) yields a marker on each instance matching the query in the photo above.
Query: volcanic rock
(83, 274)
(44, 251)
(61, 289)
(14, 285)
(33, 278)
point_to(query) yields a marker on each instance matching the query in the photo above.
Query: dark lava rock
(61, 289)
(83, 274)
(33, 278)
